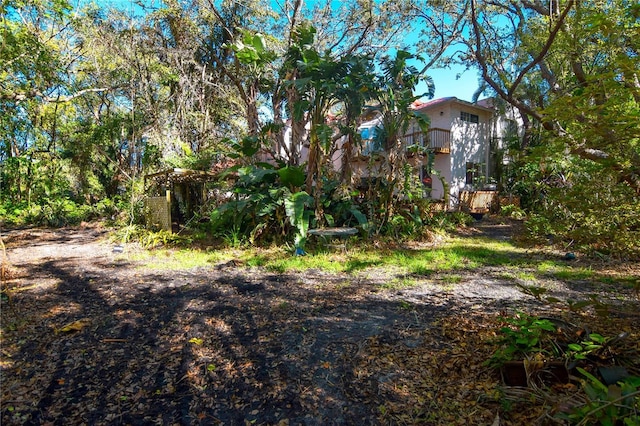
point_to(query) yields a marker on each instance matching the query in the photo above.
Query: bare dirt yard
(91, 337)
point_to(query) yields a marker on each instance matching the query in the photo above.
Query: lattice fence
(158, 212)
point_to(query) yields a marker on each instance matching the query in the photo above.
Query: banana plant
(296, 208)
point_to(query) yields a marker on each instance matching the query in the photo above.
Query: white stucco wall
(441, 163)
(441, 116)
(469, 142)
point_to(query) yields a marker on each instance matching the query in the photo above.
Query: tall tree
(320, 83)
(38, 57)
(554, 61)
(571, 70)
(394, 96)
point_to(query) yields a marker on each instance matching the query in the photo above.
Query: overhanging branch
(31, 94)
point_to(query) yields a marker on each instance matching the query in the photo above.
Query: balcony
(438, 140)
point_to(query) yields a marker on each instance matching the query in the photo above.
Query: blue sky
(454, 82)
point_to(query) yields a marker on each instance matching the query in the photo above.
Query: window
(425, 177)
(469, 118)
(474, 173)
(510, 129)
(371, 141)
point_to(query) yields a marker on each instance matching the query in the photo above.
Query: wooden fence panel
(158, 212)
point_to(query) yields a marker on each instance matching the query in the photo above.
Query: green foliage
(393, 92)
(606, 405)
(577, 166)
(257, 210)
(267, 207)
(416, 219)
(586, 347)
(523, 335)
(512, 211)
(187, 159)
(108, 207)
(292, 177)
(580, 203)
(339, 205)
(148, 239)
(251, 50)
(447, 221)
(297, 209)
(54, 212)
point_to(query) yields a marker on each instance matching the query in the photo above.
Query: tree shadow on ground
(219, 347)
(224, 345)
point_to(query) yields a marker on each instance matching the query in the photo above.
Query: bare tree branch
(21, 96)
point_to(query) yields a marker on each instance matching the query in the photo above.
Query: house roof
(180, 176)
(487, 103)
(419, 105)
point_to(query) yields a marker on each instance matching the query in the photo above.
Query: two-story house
(468, 141)
(463, 136)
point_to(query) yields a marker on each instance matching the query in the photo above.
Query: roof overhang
(177, 175)
(435, 103)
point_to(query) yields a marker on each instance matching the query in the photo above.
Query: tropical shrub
(578, 203)
(54, 212)
(267, 206)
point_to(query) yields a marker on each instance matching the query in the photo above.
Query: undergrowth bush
(532, 340)
(513, 211)
(579, 204)
(47, 212)
(448, 221)
(268, 207)
(147, 238)
(58, 212)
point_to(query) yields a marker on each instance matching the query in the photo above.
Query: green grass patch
(565, 272)
(167, 259)
(548, 266)
(626, 281)
(507, 276)
(454, 255)
(574, 274)
(323, 261)
(176, 259)
(399, 283)
(487, 252)
(526, 276)
(451, 279)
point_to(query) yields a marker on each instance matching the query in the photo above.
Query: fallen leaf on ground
(74, 326)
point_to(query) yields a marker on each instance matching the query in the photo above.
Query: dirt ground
(90, 337)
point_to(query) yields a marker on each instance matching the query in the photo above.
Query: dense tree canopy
(93, 98)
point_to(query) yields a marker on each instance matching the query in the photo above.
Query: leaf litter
(102, 341)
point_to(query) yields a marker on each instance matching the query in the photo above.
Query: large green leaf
(296, 210)
(292, 176)
(360, 217)
(325, 136)
(250, 175)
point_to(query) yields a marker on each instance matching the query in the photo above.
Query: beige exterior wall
(469, 142)
(442, 164)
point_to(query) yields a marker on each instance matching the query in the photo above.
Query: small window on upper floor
(469, 118)
(371, 140)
